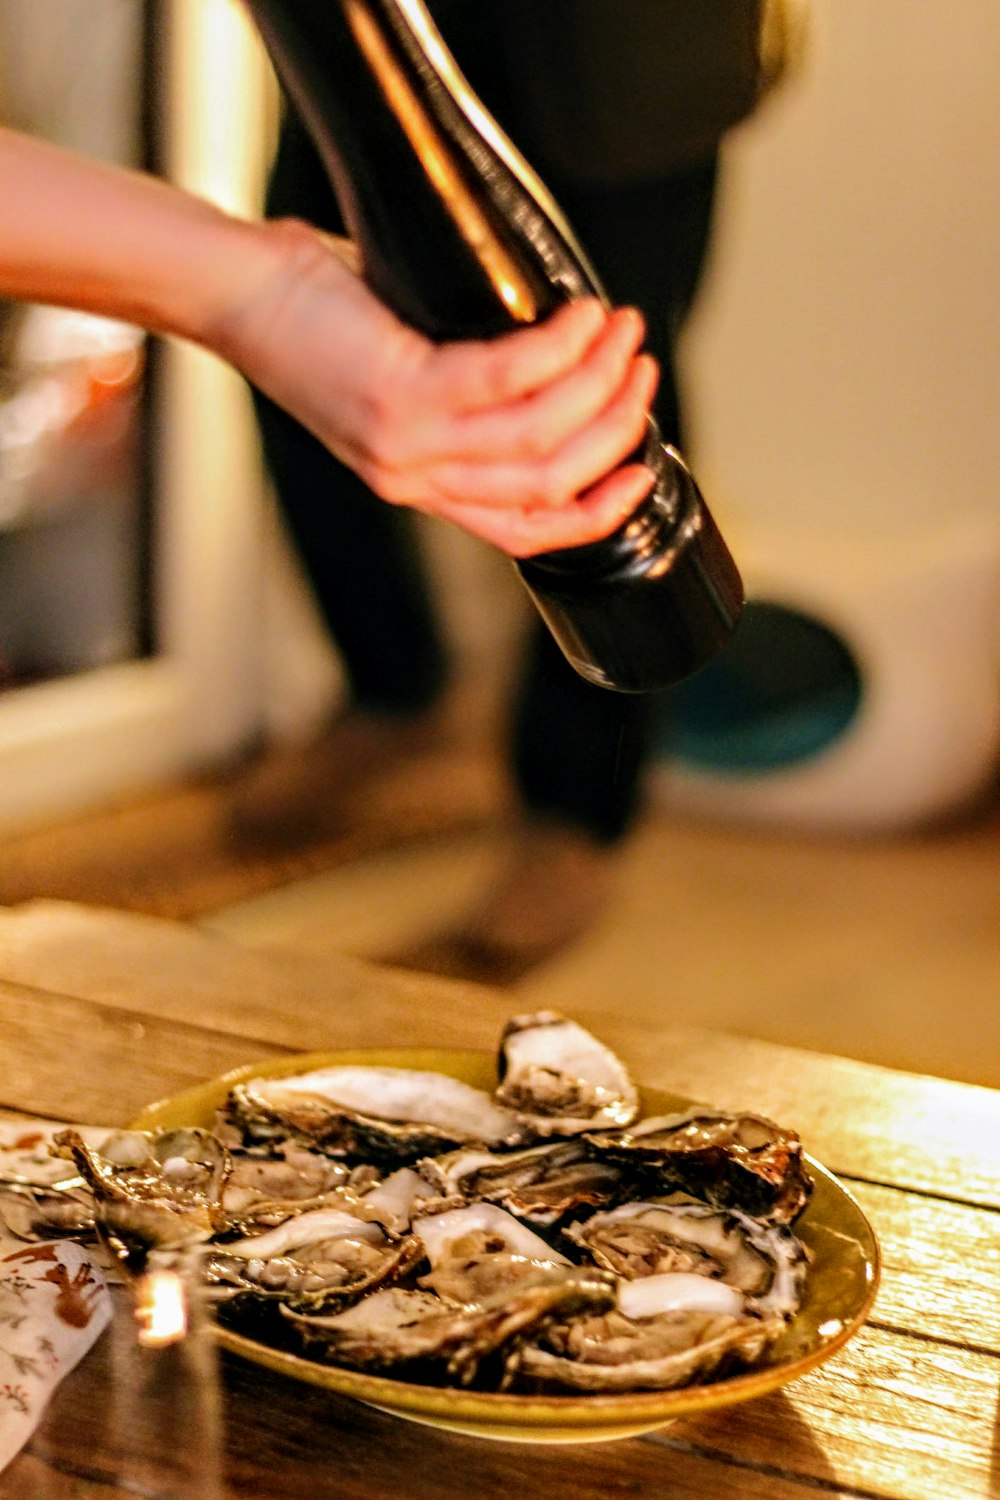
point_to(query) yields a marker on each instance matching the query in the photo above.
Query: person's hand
(522, 440)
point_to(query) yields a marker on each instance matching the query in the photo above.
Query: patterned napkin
(53, 1304)
(53, 1297)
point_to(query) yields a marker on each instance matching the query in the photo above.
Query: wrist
(208, 266)
(257, 271)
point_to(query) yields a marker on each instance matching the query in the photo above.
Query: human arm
(510, 438)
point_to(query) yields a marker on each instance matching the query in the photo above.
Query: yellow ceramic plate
(841, 1285)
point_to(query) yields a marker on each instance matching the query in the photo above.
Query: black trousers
(577, 751)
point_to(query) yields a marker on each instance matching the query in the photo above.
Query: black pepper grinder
(458, 236)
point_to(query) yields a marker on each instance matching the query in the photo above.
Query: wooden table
(101, 1012)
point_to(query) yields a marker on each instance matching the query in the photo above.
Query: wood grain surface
(101, 1012)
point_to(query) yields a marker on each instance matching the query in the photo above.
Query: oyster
(152, 1191)
(659, 1348)
(323, 1257)
(764, 1265)
(390, 1114)
(733, 1160)
(541, 1184)
(321, 1183)
(478, 1229)
(397, 1328)
(480, 1250)
(266, 1189)
(35, 1212)
(560, 1079)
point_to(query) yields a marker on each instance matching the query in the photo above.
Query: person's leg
(363, 563)
(360, 556)
(577, 752)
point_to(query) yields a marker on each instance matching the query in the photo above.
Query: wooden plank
(98, 1065)
(889, 1415)
(32, 1477)
(157, 967)
(940, 1267)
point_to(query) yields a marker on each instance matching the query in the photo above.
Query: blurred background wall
(846, 360)
(844, 371)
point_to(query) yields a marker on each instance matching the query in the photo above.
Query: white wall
(845, 358)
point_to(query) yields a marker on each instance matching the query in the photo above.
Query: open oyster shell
(480, 1250)
(560, 1079)
(323, 1258)
(481, 1227)
(614, 1352)
(732, 1160)
(541, 1184)
(681, 1237)
(152, 1191)
(34, 1213)
(390, 1114)
(266, 1189)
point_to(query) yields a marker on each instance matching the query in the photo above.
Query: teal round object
(783, 690)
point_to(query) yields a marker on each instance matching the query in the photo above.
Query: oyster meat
(266, 1189)
(542, 1184)
(385, 1114)
(763, 1264)
(322, 1258)
(561, 1080)
(398, 1200)
(481, 1228)
(479, 1250)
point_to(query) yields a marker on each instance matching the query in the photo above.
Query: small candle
(161, 1309)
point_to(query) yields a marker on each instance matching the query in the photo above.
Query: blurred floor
(882, 949)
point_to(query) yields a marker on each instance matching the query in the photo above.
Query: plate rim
(493, 1413)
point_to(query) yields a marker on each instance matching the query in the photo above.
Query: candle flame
(160, 1308)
